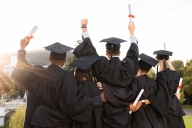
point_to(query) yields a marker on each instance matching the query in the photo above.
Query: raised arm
(86, 48)
(22, 74)
(131, 59)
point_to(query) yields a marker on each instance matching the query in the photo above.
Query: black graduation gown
(148, 116)
(90, 89)
(174, 117)
(55, 88)
(116, 74)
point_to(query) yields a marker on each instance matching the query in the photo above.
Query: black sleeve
(162, 94)
(131, 59)
(74, 104)
(120, 97)
(23, 72)
(86, 48)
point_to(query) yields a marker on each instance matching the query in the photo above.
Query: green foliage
(68, 62)
(17, 119)
(182, 97)
(179, 66)
(151, 74)
(7, 119)
(187, 78)
(188, 121)
(187, 106)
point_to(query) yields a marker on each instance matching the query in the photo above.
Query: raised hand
(131, 28)
(84, 21)
(25, 41)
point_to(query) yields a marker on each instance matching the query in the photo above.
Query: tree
(151, 74)
(179, 66)
(187, 78)
(68, 62)
(71, 59)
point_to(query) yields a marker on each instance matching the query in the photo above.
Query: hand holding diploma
(180, 85)
(25, 41)
(137, 99)
(30, 35)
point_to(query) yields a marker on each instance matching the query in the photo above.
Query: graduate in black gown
(51, 87)
(168, 75)
(116, 74)
(88, 86)
(146, 114)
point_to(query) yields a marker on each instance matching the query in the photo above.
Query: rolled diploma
(180, 84)
(137, 99)
(33, 30)
(129, 6)
(164, 46)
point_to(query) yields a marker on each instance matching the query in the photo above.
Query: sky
(156, 22)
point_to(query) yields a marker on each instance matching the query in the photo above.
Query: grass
(17, 119)
(188, 121)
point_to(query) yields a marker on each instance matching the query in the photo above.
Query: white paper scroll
(137, 99)
(33, 30)
(164, 46)
(129, 7)
(180, 84)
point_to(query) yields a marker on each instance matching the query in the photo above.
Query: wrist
(22, 48)
(84, 29)
(143, 102)
(132, 33)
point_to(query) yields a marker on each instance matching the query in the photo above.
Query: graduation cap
(149, 60)
(58, 50)
(84, 62)
(163, 54)
(113, 43)
(146, 62)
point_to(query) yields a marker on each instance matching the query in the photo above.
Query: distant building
(8, 69)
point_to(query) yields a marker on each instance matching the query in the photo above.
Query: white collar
(115, 56)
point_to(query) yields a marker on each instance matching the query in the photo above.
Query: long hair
(80, 73)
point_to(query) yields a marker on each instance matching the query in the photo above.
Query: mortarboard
(113, 42)
(84, 62)
(147, 59)
(58, 50)
(163, 52)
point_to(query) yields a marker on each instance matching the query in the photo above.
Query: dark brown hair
(80, 73)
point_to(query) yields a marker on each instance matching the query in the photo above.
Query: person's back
(52, 87)
(146, 115)
(88, 87)
(170, 77)
(115, 74)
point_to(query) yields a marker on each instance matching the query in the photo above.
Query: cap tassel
(111, 52)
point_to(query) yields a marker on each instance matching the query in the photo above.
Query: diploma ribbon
(29, 37)
(131, 16)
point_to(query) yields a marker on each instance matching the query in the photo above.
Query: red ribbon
(131, 16)
(29, 37)
(180, 87)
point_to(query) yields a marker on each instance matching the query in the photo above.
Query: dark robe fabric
(116, 74)
(175, 112)
(90, 89)
(148, 116)
(52, 87)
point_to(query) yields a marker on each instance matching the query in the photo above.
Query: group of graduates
(101, 90)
